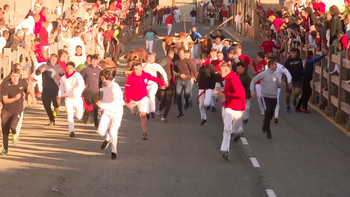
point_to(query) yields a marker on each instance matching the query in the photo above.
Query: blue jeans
(182, 85)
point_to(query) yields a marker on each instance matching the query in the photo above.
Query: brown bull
(179, 40)
(136, 55)
(206, 45)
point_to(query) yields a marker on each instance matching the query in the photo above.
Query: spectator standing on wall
(193, 15)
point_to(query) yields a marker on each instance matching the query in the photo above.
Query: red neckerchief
(78, 55)
(68, 76)
(308, 56)
(206, 62)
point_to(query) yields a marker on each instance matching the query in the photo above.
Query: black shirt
(10, 90)
(50, 75)
(206, 77)
(193, 13)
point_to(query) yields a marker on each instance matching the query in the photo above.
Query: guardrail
(329, 92)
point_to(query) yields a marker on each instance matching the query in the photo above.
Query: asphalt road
(308, 156)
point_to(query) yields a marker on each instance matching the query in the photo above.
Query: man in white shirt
(217, 44)
(112, 111)
(238, 21)
(72, 43)
(71, 87)
(177, 15)
(152, 87)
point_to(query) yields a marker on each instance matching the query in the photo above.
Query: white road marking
(255, 162)
(270, 193)
(244, 141)
(231, 35)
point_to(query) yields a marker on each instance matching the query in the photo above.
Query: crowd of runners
(222, 78)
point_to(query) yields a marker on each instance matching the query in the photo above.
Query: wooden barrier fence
(330, 92)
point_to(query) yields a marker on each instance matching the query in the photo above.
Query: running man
(71, 87)
(112, 111)
(269, 88)
(136, 94)
(234, 106)
(206, 83)
(149, 36)
(12, 100)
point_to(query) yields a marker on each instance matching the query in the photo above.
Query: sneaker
(164, 119)
(237, 136)
(288, 109)
(226, 156)
(242, 132)
(88, 118)
(187, 105)
(145, 136)
(38, 94)
(213, 109)
(208, 108)
(232, 136)
(262, 113)
(268, 135)
(297, 110)
(72, 134)
(152, 114)
(51, 123)
(15, 139)
(245, 121)
(275, 120)
(305, 110)
(54, 114)
(203, 123)
(105, 144)
(96, 124)
(113, 156)
(148, 116)
(158, 113)
(180, 116)
(4, 152)
(294, 103)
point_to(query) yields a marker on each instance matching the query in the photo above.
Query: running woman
(136, 94)
(112, 111)
(71, 87)
(234, 106)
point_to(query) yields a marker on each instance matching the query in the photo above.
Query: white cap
(37, 5)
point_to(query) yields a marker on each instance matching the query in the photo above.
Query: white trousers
(151, 95)
(193, 21)
(232, 124)
(211, 22)
(205, 100)
(238, 27)
(110, 123)
(74, 107)
(247, 108)
(194, 50)
(223, 20)
(259, 97)
(149, 45)
(277, 109)
(177, 18)
(168, 27)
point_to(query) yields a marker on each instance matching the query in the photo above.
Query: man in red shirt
(321, 7)
(268, 45)
(234, 106)
(244, 58)
(136, 93)
(42, 14)
(169, 23)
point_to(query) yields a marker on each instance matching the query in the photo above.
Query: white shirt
(72, 87)
(2, 43)
(77, 60)
(218, 47)
(112, 101)
(312, 42)
(238, 18)
(153, 69)
(72, 44)
(27, 23)
(282, 70)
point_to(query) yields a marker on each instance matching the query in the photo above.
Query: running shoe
(158, 112)
(245, 121)
(294, 103)
(275, 120)
(237, 136)
(203, 123)
(148, 116)
(105, 144)
(152, 114)
(305, 110)
(114, 156)
(226, 156)
(268, 135)
(54, 114)
(164, 119)
(288, 110)
(145, 136)
(262, 113)
(72, 134)
(297, 110)
(51, 123)
(180, 116)
(15, 139)
(213, 109)
(4, 152)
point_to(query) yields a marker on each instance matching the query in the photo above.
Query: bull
(137, 55)
(178, 40)
(206, 45)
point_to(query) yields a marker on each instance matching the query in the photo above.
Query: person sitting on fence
(3, 39)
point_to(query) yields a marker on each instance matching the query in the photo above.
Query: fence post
(340, 115)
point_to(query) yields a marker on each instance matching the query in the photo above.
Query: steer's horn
(176, 34)
(160, 38)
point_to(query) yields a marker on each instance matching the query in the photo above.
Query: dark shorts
(296, 84)
(9, 121)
